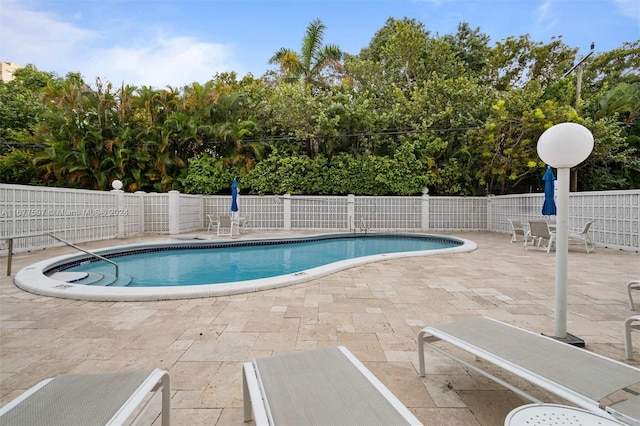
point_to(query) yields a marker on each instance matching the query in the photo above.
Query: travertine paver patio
(375, 310)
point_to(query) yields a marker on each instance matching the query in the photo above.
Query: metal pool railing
(10, 239)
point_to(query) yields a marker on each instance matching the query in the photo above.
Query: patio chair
(581, 377)
(246, 224)
(633, 285)
(518, 229)
(91, 399)
(321, 386)
(539, 232)
(212, 223)
(630, 324)
(225, 226)
(582, 235)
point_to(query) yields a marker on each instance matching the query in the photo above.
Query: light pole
(563, 146)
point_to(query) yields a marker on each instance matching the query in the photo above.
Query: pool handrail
(47, 234)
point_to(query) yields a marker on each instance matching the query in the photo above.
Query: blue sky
(176, 42)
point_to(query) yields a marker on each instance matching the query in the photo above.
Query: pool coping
(33, 279)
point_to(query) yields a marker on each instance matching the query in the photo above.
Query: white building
(6, 71)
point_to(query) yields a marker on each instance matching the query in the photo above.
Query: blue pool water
(247, 261)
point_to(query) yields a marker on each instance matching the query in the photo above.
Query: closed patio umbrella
(549, 205)
(234, 196)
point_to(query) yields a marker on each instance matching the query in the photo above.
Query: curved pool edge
(33, 279)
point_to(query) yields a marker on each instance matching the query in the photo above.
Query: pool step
(98, 279)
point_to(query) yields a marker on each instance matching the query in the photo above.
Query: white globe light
(116, 184)
(565, 145)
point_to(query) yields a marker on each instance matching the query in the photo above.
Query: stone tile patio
(375, 310)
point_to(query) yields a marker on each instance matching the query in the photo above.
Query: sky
(174, 43)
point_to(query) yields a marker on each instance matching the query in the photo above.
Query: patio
(374, 310)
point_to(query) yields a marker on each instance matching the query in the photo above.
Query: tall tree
(314, 59)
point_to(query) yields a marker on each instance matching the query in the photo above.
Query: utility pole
(580, 67)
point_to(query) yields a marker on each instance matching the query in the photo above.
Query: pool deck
(375, 310)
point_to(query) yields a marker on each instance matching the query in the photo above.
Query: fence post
(286, 202)
(425, 210)
(174, 212)
(119, 208)
(489, 212)
(140, 219)
(351, 212)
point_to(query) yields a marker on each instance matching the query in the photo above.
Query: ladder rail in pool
(97, 256)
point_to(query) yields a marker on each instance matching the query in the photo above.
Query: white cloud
(37, 37)
(630, 8)
(545, 17)
(53, 44)
(161, 61)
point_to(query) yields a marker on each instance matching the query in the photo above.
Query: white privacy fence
(27, 213)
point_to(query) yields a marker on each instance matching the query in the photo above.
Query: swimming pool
(202, 268)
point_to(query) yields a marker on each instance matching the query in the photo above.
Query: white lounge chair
(631, 324)
(225, 226)
(582, 235)
(92, 399)
(539, 231)
(579, 376)
(633, 285)
(518, 229)
(322, 386)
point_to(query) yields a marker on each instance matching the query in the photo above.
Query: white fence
(29, 212)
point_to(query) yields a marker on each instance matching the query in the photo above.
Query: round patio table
(554, 414)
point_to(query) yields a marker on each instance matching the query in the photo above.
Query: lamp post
(563, 146)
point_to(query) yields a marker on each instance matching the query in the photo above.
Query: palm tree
(314, 58)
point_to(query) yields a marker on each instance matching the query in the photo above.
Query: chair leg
(631, 286)
(551, 241)
(628, 326)
(588, 242)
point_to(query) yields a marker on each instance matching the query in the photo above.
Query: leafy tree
(206, 175)
(20, 104)
(410, 110)
(518, 61)
(504, 153)
(471, 47)
(16, 166)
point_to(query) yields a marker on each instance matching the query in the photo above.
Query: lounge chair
(631, 324)
(633, 285)
(225, 226)
(539, 232)
(518, 229)
(92, 399)
(579, 376)
(582, 235)
(322, 386)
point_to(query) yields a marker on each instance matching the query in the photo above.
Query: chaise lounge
(90, 399)
(323, 386)
(581, 377)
